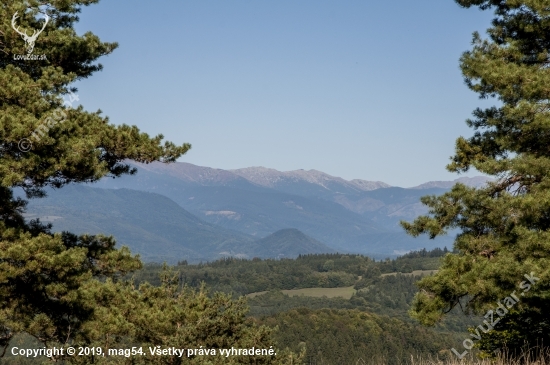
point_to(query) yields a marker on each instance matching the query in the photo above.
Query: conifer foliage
(504, 227)
(62, 288)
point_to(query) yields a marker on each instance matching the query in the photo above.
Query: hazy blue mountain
(388, 206)
(343, 216)
(290, 243)
(150, 224)
(306, 182)
(375, 200)
(378, 201)
(261, 213)
(157, 228)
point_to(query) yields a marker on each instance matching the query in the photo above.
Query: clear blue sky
(355, 88)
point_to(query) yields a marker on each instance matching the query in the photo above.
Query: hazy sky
(354, 88)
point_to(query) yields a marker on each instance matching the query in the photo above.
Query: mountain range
(176, 211)
(159, 229)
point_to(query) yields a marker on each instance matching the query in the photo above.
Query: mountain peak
(192, 173)
(291, 242)
(273, 179)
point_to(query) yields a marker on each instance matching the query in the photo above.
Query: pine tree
(505, 226)
(45, 144)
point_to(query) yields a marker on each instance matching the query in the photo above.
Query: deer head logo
(29, 40)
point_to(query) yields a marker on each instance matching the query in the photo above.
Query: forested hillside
(372, 320)
(348, 336)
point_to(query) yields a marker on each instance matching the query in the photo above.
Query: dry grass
(537, 357)
(345, 292)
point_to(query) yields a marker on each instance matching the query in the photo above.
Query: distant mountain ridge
(183, 211)
(193, 174)
(291, 242)
(159, 229)
(331, 210)
(272, 178)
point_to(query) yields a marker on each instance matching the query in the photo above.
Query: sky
(354, 88)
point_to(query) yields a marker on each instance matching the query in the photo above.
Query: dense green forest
(374, 321)
(241, 277)
(347, 336)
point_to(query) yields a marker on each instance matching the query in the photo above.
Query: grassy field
(414, 273)
(345, 292)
